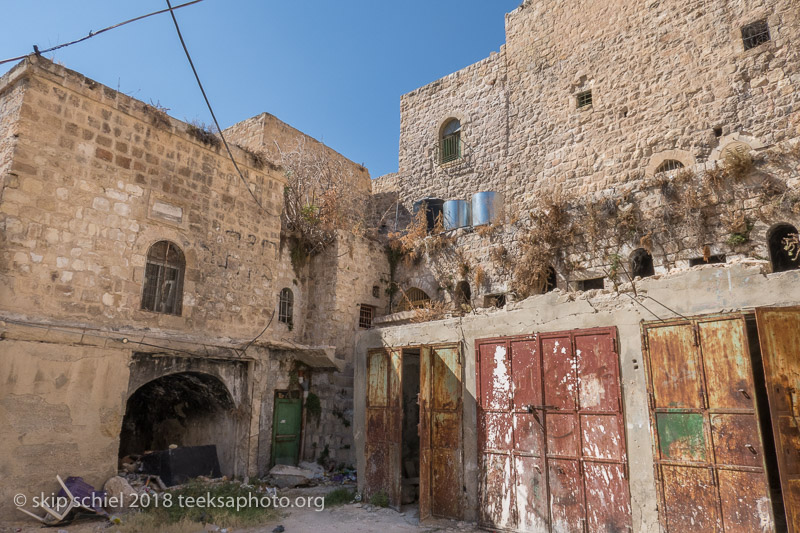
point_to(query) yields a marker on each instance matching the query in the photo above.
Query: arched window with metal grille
(669, 165)
(163, 279)
(450, 142)
(286, 307)
(415, 298)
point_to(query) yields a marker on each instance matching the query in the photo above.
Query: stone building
(146, 297)
(616, 348)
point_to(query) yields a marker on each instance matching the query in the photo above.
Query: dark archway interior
(463, 293)
(552, 280)
(186, 409)
(781, 259)
(642, 264)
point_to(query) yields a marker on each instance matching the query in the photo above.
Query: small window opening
(712, 260)
(415, 298)
(450, 143)
(755, 34)
(642, 264)
(718, 132)
(286, 307)
(376, 291)
(494, 300)
(784, 252)
(591, 284)
(463, 293)
(163, 279)
(551, 282)
(365, 316)
(584, 99)
(669, 165)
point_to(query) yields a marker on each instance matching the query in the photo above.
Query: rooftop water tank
(487, 207)
(433, 208)
(457, 214)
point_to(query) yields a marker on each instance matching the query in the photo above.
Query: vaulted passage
(186, 409)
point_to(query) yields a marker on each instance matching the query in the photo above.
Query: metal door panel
(377, 382)
(497, 431)
(425, 475)
(446, 379)
(745, 515)
(446, 415)
(528, 433)
(560, 380)
(779, 336)
(446, 493)
(563, 436)
(681, 436)
(608, 506)
(494, 375)
(726, 358)
(531, 494)
(447, 430)
(675, 367)
(567, 510)
(597, 373)
(601, 437)
(736, 440)
(691, 499)
(497, 494)
(526, 369)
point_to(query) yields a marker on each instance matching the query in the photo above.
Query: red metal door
(706, 439)
(551, 433)
(384, 424)
(779, 336)
(445, 427)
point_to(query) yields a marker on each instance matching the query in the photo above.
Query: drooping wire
(210, 110)
(95, 33)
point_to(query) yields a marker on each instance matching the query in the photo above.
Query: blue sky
(333, 69)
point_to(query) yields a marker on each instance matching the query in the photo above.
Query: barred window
(450, 143)
(668, 165)
(755, 34)
(584, 99)
(415, 298)
(286, 307)
(163, 279)
(365, 316)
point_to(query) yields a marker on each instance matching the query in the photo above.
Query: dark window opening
(642, 264)
(591, 284)
(463, 293)
(376, 291)
(163, 279)
(365, 316)
(450, 143)
(669, 165)
(286, 307)
(711, 260)
(494, 300)
(551, 282)
(718, 132)
(755, 34)
(780, 238)
(584, 99)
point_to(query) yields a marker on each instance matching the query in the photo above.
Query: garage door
(551, 435)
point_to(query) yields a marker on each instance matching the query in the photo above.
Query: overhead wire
(96, 33)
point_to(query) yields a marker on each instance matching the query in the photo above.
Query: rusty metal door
(551, 434)
(384, 424)
(445, 431)
(779, 336)
(706, 440)
(425, 476)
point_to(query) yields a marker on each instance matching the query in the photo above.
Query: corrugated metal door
(551, 433)
(779, 335)
(384, 424)
(706, 439)
(445, 428)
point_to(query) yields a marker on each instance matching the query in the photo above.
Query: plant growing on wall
(792, 245)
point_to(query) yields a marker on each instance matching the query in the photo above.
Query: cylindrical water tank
(487, 207)
(457, 214)
(433, 208)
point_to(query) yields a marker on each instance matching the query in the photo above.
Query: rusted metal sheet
(446, 448)
(425, 476)
(705, 428)
(557, 398)
(779, 335)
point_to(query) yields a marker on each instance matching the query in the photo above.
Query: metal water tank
(487, 207)
(457, 214)
(433, 208)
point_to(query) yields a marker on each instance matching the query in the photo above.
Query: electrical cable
(213, 116)
(95, 33)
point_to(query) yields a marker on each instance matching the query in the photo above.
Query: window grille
(163, 279)
(376, 291)
(584, 99)
(669, 165)
(415, 298)
(286, 307)
(755, 34)
(365, 316)
(450, 145)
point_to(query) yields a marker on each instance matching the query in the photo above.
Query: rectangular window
(451, 147)
(365, 316)
(584, 99)
(161, 289)
(590, 284)
(712, 260)
(755, 34)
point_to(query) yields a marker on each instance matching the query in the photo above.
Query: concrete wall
(704, 290)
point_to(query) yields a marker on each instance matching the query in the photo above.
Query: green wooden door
(286, 422)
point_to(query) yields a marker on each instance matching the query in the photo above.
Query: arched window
(415, 298)
(163, 279)
(642, 264)
(463, 293)
(669, 165)
(780, 238)
(551, 282)
(450, 143)
(286, 307)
